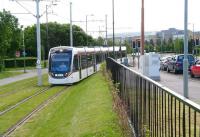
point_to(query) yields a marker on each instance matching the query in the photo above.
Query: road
(175, 83)
(29, 74)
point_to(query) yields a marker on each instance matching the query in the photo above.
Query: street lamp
(86, 28)
(142, 28)
(185, 61)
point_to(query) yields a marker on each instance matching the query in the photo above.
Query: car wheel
(175, 71)
(191, 75)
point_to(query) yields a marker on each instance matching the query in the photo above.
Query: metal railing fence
(154, 110)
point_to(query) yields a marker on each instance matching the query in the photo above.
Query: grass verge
(7, 74)
(85, 110)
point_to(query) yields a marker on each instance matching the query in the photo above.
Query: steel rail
(23, 101)
(37, 109)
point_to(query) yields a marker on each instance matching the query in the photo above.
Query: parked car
(195, 69)
(163, 62)
(175, 64)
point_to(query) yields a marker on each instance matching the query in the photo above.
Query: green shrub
(19, 62)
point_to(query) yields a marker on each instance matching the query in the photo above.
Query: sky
(159, 14)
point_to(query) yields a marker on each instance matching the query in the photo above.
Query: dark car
(175, 64)
(163, 62)
(195, 69)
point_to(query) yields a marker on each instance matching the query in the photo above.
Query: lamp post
(185, 60)
(142, 29)
(87, 28)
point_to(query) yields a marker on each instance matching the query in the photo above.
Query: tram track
(24, 100)
(28, 116)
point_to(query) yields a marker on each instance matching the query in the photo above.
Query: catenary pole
(106, 16)
(113, 16)
(39, 68)
(71, 31)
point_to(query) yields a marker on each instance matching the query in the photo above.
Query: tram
(68, 65)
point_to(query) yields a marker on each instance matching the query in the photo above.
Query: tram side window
(84, 61)
(75, 63)
(98, 58)
(90, 60)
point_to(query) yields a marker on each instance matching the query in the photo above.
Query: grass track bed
(13, 116)
(84, 110)
(20, 92)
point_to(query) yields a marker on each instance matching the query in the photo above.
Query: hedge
(19, 62)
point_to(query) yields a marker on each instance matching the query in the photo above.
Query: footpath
(28, 74)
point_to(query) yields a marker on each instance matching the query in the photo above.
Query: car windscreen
(61, 62)
(190, 58)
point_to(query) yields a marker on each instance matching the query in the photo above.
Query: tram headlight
(66, 74)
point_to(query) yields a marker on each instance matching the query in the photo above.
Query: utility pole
(106, 43)
(142, 29)
(86, 31)
(71, 33)
(47, 34)
(113, 15)
(39, 68)
(24, 49)
(185, 60)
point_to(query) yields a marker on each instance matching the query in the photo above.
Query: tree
(9, 35)
(59, 34)
(129, 48)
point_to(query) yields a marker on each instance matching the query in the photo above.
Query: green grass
(84, 110)
(10, 118)
(6, 74)
(11, 96)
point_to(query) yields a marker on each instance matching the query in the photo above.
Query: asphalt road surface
(175, 82)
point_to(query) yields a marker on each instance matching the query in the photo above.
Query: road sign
(17, 53)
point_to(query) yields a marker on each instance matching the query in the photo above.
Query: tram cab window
(61, 62)
(75, 63)
(83, 61)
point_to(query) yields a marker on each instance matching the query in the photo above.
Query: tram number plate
(59, 75)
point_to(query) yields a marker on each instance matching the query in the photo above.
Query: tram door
(95, 63)
(79, 63)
